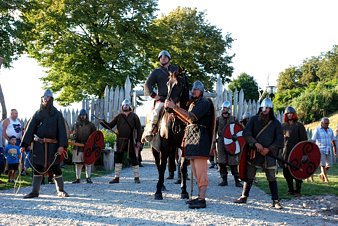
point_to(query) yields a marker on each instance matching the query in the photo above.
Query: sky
(270, 36)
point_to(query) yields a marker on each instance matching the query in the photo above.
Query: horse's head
(176, 84)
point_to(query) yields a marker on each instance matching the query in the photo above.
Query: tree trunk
(3, 104)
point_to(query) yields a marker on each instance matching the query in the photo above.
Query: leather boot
(115, 180)
(274, 190)
(60, 186)
(136, 170)
(171, 175)
(224, 174)
(118, 169)
(137, 180)
(224, 182)
(197, 204)
(36, 187)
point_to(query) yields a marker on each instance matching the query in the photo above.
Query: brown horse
(171, 131)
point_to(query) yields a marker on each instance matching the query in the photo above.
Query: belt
(45, 140)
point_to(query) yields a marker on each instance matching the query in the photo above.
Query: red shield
(306, 156)
(243, 162)
(93, 147)
(233, 138)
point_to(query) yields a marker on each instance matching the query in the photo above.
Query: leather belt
(45, 140)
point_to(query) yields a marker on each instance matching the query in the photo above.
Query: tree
(10, 45)
(311, 87)
(10, 31)
(248, 84)
(87, 45)
(193, 44)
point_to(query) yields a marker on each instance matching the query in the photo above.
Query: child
(13, 155)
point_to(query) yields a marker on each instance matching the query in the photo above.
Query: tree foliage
(194, 44)
(10, 31)
(87, 45)
(248, 84)
(311, 87)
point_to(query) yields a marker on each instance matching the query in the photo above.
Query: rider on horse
(158, 77)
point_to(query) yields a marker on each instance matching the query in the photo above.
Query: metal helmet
(164, 53)
(125, 102)
(48, 93)
(226, 104)
(266, 103)
(198, 85)
(289, 109)
(83, 112)
(246, 115)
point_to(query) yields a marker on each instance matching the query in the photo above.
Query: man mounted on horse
(163, 130)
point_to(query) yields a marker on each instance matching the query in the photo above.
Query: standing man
(129, 134)
(245, 119)
(12, 126)
(81, 132)
(224, 158)
(294, 132)
(324, 138)
(264, 135)
(48, 132)
(199, 119)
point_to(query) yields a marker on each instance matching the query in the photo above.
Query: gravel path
(127, 203)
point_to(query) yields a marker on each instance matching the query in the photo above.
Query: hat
(11, 137)
(83, 112)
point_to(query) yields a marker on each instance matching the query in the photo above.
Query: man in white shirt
(324, 138)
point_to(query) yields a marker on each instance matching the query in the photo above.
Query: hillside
(333, 123)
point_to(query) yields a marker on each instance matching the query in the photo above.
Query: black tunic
(158, 77)
(203, 112)
(271, 137)
(45, 124)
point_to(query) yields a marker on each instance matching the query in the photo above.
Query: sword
(284, 161)
(105, 124)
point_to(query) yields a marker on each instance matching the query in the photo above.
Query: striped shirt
(323, 139)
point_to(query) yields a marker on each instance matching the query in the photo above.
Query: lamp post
(271, 91)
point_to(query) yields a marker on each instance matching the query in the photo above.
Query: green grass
(68, 175)
(308, 188)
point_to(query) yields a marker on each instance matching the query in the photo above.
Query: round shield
(306, 156)
(93, 147)
(233, 138)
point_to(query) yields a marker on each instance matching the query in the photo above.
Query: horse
(171, 131)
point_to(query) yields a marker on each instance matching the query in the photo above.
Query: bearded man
(129, 135)
(47, 129)
(264, 135)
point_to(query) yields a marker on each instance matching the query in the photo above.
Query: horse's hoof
(164, 188)
(158, 196)
(184, 195)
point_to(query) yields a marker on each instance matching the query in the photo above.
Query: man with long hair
(294, 132)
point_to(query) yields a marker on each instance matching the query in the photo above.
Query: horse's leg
(156, 155)
(161, 170)
(184, 173)
(171, 161)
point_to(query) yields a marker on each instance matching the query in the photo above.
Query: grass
(308, 188)
(333, 123)
(68, 175)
